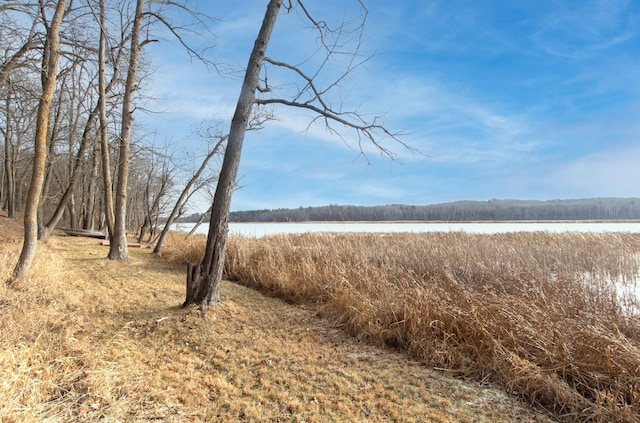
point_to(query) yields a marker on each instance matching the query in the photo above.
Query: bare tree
(204, 287)
(19, 113)
(77, 162)
(156, 180)
(102, 112)
(65, 123)
(90, 201)
(49, 75)
(187, 192)
(53, 163)
(19, 129)
(203, 282)
(13, 59)
(16, 43)
(118, 246)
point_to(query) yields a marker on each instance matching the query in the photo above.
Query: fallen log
(85, 232)
(130, 244)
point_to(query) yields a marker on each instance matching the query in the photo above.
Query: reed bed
(539, 314)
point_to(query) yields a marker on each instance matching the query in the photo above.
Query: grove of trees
(71, 76)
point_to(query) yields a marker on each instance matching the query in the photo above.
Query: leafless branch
(200, 20)
(16, 6)
(339, 44)
(370, 130)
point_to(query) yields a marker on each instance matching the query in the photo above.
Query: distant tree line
(491, 210)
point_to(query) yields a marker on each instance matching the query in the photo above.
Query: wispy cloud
(506, 99)
(585, 27)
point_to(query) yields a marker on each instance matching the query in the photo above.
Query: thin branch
(342, 40)
(200, 18)
(370, 131)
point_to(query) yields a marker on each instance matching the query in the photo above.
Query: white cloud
(612, 172)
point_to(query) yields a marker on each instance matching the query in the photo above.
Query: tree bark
(49, 75)
(9, 163)
(104, 136)
(207, 288)
(88, 218)
(118, 244)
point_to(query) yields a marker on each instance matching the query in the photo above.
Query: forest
(491, 210)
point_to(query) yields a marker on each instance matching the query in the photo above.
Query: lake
(263, 229)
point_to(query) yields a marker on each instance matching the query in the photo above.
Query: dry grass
(88, 340)
(536, 313)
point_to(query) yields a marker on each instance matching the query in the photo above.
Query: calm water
(262, 229)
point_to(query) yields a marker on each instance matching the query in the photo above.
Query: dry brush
(539, 314)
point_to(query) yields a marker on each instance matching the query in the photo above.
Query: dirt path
(139, 357)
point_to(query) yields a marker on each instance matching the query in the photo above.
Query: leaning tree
(203, 281)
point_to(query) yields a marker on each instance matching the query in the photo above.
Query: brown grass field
(431, 327)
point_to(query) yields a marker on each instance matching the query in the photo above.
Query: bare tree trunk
(207, 286)
(49, 75)
(118, 246)
(9, 164)
(146, 220)
(109, 217)
(73, 215)
(104, 136)
(88, 220)
(48, 171)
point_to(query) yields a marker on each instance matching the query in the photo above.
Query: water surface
(262, 229)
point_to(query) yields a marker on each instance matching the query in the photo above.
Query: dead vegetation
(87, 340)
(540, 314)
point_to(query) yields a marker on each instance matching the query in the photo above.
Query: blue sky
(505, 99)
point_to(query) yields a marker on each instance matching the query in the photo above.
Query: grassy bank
(539, 314)
(90, 340)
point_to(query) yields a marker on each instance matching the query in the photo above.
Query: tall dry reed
(538, 313)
